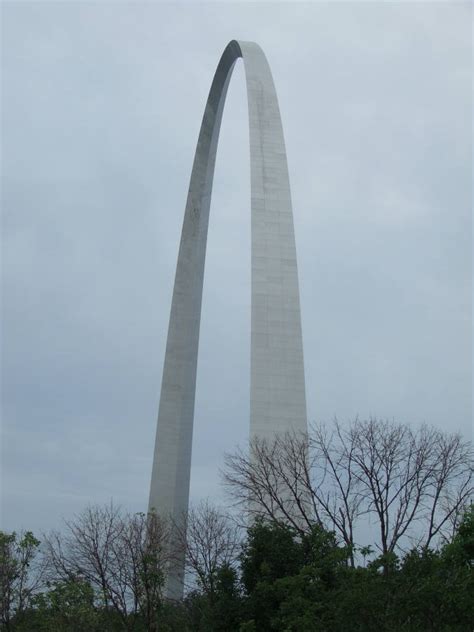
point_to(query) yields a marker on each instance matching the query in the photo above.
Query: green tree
(20, 575)
(435, 588)
(271, 552)
(308, 599)
(67, 607)
(221, 610)
(289, 578)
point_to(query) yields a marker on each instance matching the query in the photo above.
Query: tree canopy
(295, 567)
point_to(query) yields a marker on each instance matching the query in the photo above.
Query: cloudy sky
(102, 104)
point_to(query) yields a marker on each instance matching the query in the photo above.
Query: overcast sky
(102, 104)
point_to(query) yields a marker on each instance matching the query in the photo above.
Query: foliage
(283, 582)
(296, 568)
(66, 607)
(20, 574)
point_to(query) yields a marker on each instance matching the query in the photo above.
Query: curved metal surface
(277, 397)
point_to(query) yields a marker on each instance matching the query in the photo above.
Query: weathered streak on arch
(277, 397)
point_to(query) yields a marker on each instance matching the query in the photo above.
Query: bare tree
(300, 481)
(413, 482)
(142, 551)
(451, 487)
(122, 557)
(405, 474)
(335, 486)
(272, 480)
(211, 540)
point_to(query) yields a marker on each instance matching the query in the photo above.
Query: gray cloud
(101, 109)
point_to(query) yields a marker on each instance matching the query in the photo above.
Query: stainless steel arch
(277, 398)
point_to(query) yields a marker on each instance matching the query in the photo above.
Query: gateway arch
(277, 385)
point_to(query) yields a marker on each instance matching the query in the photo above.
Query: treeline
(297, 567)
